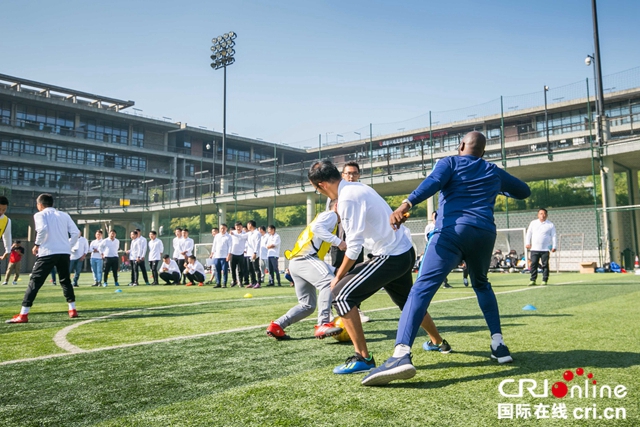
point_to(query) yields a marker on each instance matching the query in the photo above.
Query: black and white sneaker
(395, 368)
(501, 354)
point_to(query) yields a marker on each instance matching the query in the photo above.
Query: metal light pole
(546, 123)
(222, 56)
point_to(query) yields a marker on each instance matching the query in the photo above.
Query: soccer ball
(344, 335)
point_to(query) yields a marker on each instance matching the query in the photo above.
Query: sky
(307, 68)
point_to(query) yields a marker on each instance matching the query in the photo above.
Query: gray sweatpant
(309, 274)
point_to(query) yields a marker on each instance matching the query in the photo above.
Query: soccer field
(168, 355)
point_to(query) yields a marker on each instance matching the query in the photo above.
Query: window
(5, 112)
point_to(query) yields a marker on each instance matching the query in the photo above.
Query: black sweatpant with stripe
(391, 272)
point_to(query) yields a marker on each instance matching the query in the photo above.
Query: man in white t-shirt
(156, 247)
(540, 240)
(96, 258)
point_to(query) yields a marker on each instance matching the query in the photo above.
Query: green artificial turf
(245, 378)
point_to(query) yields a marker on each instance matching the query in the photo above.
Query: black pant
(250, 271)
(273, 268)
(135, 271)
(40, 272)
(153, 266)
(173, 278)
(181, 263)
(111, 263)
(257, 271)
(238, 269)
(540, 258)
(196, 277)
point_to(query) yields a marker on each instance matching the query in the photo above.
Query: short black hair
(352, 163)
(4, 201)
(153, 232)
(99, 231)
(215, 228)
(238, 223)
(185, 229)
(263, 228)
(45, 199)
(252, 223)
(323, 171)
(178, 228)
(224, 225)
(192, 257)
(273, 227)
(166, 256)
(543, 209)
(113, 230)
(17, 241)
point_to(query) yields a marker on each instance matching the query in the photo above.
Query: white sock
(72, 306)
(25, 310)
(496, 340)
(401, 350)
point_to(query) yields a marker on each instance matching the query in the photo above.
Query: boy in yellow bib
(310, 274)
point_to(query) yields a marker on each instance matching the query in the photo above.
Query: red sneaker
(274, 330)
(189, 284)
(327, 330)
(73, 313)
(200, 284)
(18, 318)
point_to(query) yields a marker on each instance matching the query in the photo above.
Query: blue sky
(306, 68)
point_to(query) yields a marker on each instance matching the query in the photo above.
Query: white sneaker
(14, 283)
(363, 317)
(4, 283)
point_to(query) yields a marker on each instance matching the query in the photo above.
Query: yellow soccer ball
(344, 335)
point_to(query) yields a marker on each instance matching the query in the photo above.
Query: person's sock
(401, 350)
(496, 340)
(72, 306)
(25, 310)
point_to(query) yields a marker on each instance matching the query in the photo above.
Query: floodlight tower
(222, 56)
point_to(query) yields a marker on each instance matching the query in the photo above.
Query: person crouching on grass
(194, 271)
(55, 235)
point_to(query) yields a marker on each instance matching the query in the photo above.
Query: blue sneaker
(117, 284)
(443, 348)
(104, 285)
(355, 364)
(501, 354)
(395, 368)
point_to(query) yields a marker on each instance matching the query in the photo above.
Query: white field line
(60, 337)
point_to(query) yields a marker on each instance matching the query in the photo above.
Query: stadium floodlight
(221, 57)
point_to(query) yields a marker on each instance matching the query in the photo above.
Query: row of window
(80, 181)
(64, 154)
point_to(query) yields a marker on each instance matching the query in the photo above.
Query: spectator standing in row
(177, 244)
(264, 252)
(79, 252)
(96, 258)
(273, 253)
(212, 255)
(253, 246)
(109, 248)
(238, 265)
(186, 249)
(220, 250)
(540, 240)
(156, 247)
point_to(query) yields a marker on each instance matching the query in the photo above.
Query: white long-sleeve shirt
(95, 244)
(186, 245)
(541, 235)
(109, 248)
(253, 243)
(134, 249)
(142, 247)
(238, 242)
(196, 266)
(79, 249)
(172, 267)
(56, 233)
(273, 240)
(263, 246)
(365, 220)
(177, 241)
(322, 228)
(6, 234)
(156, 247)
(221, 245)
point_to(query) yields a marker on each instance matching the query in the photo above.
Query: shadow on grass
(525, 364)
